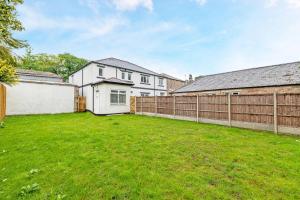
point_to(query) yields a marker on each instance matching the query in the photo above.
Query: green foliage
(9, 24)
(61, 64)
(7, 73)
(26, 190)
(82, 156)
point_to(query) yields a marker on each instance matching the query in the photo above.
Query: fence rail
(276, 112)
(2, 101)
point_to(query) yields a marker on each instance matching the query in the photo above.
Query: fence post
(142, 104)
(229, 109)
(275, 113)
(135, 106)
(197, 108)
(174, 106)
(155, 105)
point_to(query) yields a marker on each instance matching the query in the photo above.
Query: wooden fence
(2, 102)
(274, 112)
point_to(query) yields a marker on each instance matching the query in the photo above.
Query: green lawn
(81, 156)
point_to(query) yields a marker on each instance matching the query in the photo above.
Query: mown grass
(81, 156)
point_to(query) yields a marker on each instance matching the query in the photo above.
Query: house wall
(261, 90)
(91, 75)
(102, 99)
(29, 97)
(173, 85)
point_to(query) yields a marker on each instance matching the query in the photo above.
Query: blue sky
(172, 36)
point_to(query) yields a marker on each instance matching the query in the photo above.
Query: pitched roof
(124, 64)
(275, 75)
(29, 72)
(114, 81)
(170, 77)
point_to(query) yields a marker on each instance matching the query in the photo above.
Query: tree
(61, 64)
(9, 24)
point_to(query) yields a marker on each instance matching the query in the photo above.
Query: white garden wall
(29, 97)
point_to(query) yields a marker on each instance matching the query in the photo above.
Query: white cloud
(294, 3)
(271, 3)
(133, 4)
(290, 3)
(34, 20)
(200, 2)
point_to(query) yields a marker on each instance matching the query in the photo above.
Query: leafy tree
(61, 64)
(9, 24)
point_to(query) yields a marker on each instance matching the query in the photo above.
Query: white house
(108, 84)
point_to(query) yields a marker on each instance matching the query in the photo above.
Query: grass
(81, 156)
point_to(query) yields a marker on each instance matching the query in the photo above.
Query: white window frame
(160, 82)
(129, 76)
(118, 93)
(123, 75)
(145, 94)
(100, 69)
(144, 79)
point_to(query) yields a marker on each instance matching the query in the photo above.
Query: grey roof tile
(275, 75)
(36, 73)
(125, 64)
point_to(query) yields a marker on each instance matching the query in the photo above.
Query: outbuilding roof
(30, 72)
(275, 75)
(114, 81)
(125, 65)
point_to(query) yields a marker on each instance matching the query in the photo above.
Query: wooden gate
(2, 101)
(80, 103)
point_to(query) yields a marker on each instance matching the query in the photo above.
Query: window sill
(160, 85)
(145, 83)
(100, 76)
(117, 104)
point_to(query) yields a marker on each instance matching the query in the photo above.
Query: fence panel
(261, 111)
(213, 107)
(148, 104)
(253, 108)
(165, 105)
(288, 110)
(186, 106)
(2, 101)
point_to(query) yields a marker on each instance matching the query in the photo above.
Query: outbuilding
(40, 93)
(282, 78)
(109, 96)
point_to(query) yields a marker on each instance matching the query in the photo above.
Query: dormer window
(123, 75)
(129, 76)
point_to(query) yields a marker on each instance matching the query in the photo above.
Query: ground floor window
(117, 97)
(145, 94)
(162, 94)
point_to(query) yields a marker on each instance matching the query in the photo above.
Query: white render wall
(39, 98)
(102, 103)
(91, 72)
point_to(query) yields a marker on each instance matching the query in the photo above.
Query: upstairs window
(118, 97)
(144, 79)
(100, 73)
(123, 75)
(161, 82)
(129, 76)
